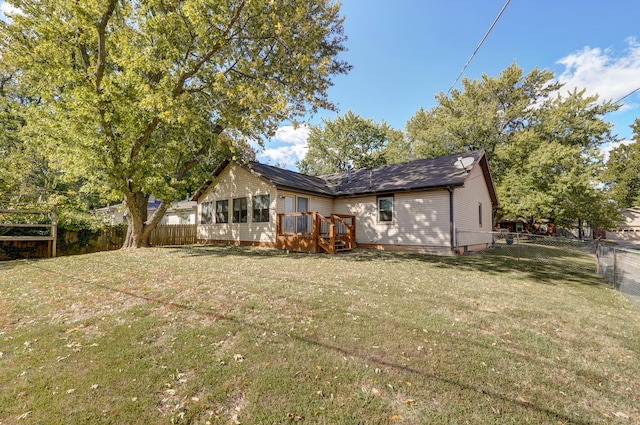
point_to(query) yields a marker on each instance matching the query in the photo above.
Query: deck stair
(312, 232)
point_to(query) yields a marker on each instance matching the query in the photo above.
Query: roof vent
(349, 167)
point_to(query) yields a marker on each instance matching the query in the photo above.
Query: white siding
(323, 206)
(467, 201)
(628, 228)
(236, 182)
(419, 219)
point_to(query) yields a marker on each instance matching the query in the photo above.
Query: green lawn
(224, 335)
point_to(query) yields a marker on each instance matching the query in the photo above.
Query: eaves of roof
(444, 172)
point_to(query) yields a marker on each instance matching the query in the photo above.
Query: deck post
(332, 238)
(316, 231)
(278, 224)
(352, 233)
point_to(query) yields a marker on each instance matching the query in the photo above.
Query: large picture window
(240, 210)
(261, 208)
(222, 211)
(385, 209)
(206, 213)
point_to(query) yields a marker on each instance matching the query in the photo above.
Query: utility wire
(626, 95)
(478, 48)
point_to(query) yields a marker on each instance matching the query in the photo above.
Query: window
(385, 209)
(304, 222)
(240, 210)
(206, 212)
(303, 204)
(222, 211)
(261, 208)
(480, 214)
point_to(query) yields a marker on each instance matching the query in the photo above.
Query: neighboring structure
(443, 204)
(628, 229)
(521, 225)
(180, 212)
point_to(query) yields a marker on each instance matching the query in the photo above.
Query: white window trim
(393, 213)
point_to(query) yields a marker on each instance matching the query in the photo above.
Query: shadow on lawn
(484, 264)
(547, 265)
(362, 355)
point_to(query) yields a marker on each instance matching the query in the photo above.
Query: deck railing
(312, 232)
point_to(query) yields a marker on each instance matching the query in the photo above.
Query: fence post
(615, 268)
(597, 256)
(54, 232)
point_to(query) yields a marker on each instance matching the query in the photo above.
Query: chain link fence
(619, 267)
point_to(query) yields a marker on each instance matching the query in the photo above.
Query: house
(180, 212)
(443, 205)
(628, 229)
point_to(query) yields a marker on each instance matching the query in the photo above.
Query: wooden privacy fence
(173, 234)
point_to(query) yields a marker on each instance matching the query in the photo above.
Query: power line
(626, 95)
(478, 48)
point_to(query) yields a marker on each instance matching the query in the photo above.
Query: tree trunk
(139, 226)
(136, 217)
(580, 235)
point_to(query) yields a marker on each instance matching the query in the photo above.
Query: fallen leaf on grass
(410, 402)
(24, 415)
(523, 400)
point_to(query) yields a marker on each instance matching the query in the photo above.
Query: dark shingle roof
(422, 174)
(290, 179)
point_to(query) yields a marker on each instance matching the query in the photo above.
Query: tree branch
(102, 43)
(195, 159)
(179, 87)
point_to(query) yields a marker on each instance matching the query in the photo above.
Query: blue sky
(404, 52)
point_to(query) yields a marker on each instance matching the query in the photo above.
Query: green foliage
(350, 139)
(133, 96)
(542, 145)
(623, 171)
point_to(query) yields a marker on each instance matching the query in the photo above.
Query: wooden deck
(312, 232)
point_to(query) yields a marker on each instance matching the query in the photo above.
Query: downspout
(451, 222)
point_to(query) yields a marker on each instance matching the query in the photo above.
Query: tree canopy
(134, 95)
(542, 143)
(350, 140)
(622, 173)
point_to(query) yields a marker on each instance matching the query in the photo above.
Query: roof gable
(286, 179)
(422, 174)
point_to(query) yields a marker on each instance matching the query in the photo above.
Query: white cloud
(602, 72)
(6, 9)
(291, 145)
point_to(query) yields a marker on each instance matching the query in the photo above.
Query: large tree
(350, 140)
(542, 142)
(133, 95)
(622, 172)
